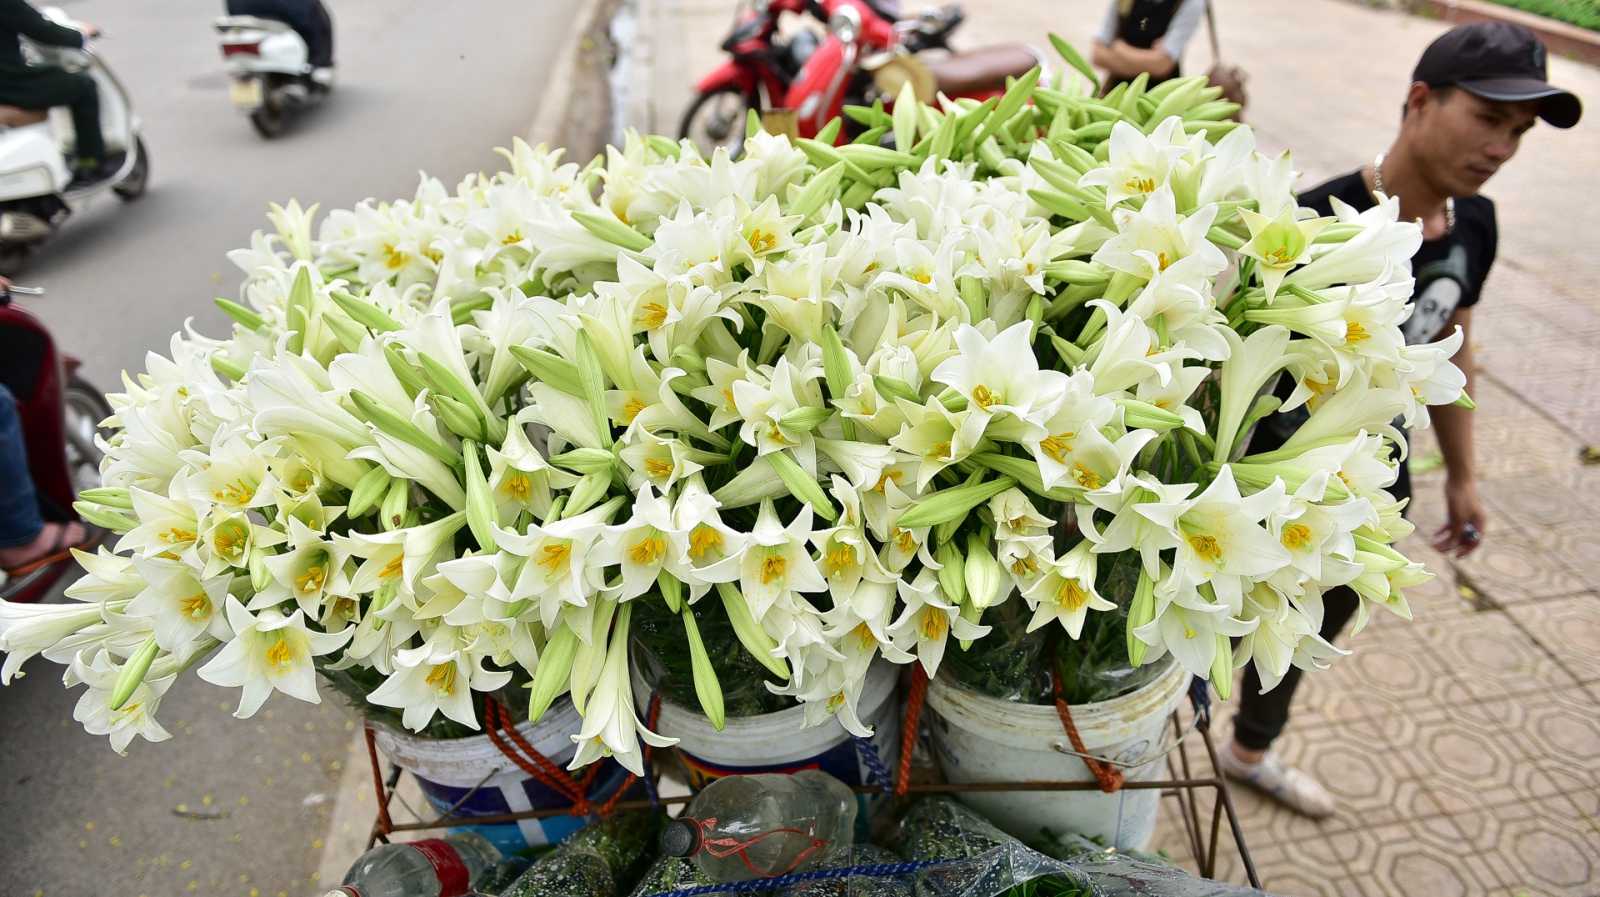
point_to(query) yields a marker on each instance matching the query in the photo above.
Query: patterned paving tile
(1543, 847)
(1513, 566)
(1568, 627)
(1578, 545)
(1491, 658)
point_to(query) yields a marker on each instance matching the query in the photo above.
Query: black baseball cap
(1498, 61)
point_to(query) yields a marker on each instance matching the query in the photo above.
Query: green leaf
(1075, 59)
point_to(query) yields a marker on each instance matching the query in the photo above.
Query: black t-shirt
(1449, 271)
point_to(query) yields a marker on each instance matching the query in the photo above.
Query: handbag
(1230, 78)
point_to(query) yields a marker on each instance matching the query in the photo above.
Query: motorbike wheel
(132, 187)
(86, 408)
(269, 118)
(11, 258)
(717, 119)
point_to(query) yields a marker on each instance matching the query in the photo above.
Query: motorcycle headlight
(845, 24)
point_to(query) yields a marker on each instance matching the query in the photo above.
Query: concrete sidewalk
(1463, 746)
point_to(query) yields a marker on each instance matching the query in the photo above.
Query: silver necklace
(1449, 203)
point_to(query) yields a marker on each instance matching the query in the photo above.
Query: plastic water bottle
(743, 828)
(437, 867)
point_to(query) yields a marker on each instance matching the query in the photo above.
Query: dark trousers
(49, 86)
(309, 18)
(20, 522)
(1261, 717)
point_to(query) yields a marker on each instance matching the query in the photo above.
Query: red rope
(384, 824)
(908, 735)
(539, 766)
(1109, 777)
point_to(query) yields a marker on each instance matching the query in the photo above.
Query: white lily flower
(1153, 238)
(29, 629)
(136, 716)
(1223, 541)
(269, 652)
(776, 561)
(999, 377)
(928, 620)
(1138, 164)
(1191, 636)
(1065, 592)
(182, 606)
(309, 575)
(438, 677)
(611, 726)
(565, 561)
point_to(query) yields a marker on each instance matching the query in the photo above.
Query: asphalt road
(231, 806)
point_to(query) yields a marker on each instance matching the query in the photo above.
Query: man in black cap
(1476, 91)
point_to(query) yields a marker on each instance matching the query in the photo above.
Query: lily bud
(592, 379)
(706, 686)
(395, 502)
(613, 231)
(260, 576)
(982, 572)
(554, 672)
(818, 192)
(586, 460)
(363, 312)
(104, 518)
(802, 485)
(346, 331)
(953, 503)
(751, 635)
(671, 591)
(805, 419)
(481, 512)
(548, 367)
(389, 421)
(1140, 612)
(688, 359)
(952, 575)
(1222, 668)
(247, 319)
(891, 388)
(368, 492)
(1145, 416)
(458, 417)
(133, 673)
(227, 367)
(954, 401)
(403, 370)
(590, 489)
(110, 496)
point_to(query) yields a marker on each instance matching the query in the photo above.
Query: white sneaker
(323, 76)
(1279, 781)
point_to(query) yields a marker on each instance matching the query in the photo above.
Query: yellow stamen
(236, 492)
(704, 539)
(657, 468)
(556, 555)
(905, 540)
(196, 606)
(1071, 595)
(631, 410)
(922, 277)
(863, 632)
(312, 579)
(1141, 185)
(656, 315)
(513, 237)
(982, 397)
(772, 567)
(1025, 567)
(940, 451)
(1297, 536)
(934, 624)
(1355, 333)
(280, 654)
(1056, 446)
(1163, 261)
(1206, 547)
(393, 257)
(393, 568)
(761, 241)
(517, 486)
(1086, 478)
(888, 476)
(443, 678)
(227, 541)
(175, 535)
(842, 558)
(646, 550)
(835, 702)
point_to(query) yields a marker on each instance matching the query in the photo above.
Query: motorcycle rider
(27, 542)
(42, 86)
(309, 18)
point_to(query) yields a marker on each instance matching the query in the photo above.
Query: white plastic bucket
(448, 768)
(984, 739)
(776, 742)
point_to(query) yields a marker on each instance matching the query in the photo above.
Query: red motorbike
(61, 415)
(817, 80)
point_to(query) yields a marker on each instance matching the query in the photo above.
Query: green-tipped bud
(260, 576)
(363, 312)
(706, 686)
(1035, 313)
(247, 319)
(481, 512)
(671, 591)
(1026, 473)
(1222, 668)
(973, 615)
(450, 383)
(835, 362)
(461, 312)
(1146, 416)
(1076, 60)
(227, 367)
(548, 367)
(802, 485)
(818, 192)
(346, 331)
(590, 489)
(687, 358)
(371, 488)
(554, 672)
(389, 421)
(953, 401)
(891, 388)
(591, 378)
(403, 370)
(1078, 273)
(133, 673)
(973, 296)
(751, 635)
(952, 575)
(982, 572)
(297, 309)
(586, 460)
(556, 507)
(805, 419)
(110, 496)
(830, 131)
(458, 417)
(952, 504)
(1465, 401)
(396, 502)
(612, 231)
(105, 518)
(1140, 612)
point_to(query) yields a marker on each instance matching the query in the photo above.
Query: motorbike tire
(269, 118)
(725, 128)
(132, 187)
(12, 256)
(85, 408)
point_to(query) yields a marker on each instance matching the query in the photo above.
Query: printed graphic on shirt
(1440, 286)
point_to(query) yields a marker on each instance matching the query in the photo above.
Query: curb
(1561, 38)
(549, 124)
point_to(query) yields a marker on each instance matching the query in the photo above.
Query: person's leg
(1261, 717)
(20, 523)
(86, 120)
(321, 48)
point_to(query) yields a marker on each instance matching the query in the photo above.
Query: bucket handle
(1065, 748)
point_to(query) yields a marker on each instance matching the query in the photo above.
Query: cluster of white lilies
(466, 432)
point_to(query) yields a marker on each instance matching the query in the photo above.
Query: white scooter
(271, 70)
(36, 144)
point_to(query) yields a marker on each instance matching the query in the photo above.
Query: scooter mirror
(845, 24)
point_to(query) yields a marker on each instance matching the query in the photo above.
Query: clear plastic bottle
(437, 867)
(747, 827)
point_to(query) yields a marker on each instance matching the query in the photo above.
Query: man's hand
(88, 30)
(1463, 527)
